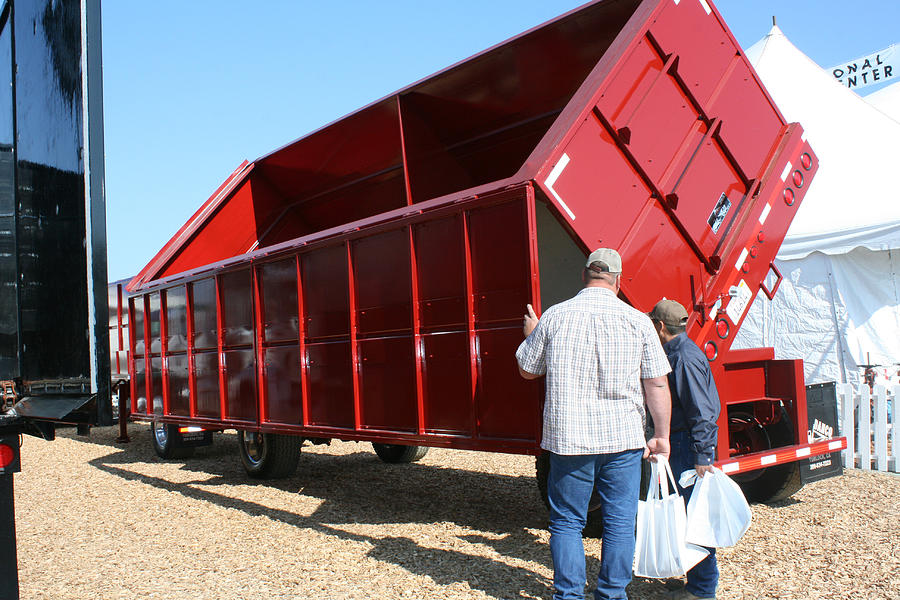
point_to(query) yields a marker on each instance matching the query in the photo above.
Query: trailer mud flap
(821, 410)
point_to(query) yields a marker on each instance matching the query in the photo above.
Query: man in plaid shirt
(603, 362)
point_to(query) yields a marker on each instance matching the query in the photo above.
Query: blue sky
(193, 88)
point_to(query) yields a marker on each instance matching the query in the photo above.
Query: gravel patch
(100, 520)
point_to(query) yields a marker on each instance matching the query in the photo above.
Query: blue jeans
(703, 579)
(616, 478)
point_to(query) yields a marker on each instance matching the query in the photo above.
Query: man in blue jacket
(695, 409)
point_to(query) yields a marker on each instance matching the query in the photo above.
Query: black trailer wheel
(773, 483)
(396, 453)
(269, 455)
(164, 437)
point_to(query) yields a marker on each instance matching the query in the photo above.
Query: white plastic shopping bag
(717, 514)
(660, 549)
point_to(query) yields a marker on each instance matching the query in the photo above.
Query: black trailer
(54, 345)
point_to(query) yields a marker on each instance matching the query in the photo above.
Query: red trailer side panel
(368, 281)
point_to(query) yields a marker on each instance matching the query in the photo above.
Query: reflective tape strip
(765, 214)
(768, 460)
(835, 445)
(551, 180)
(803, 452)
(715, 308)
(703, 3)
(741, 259)
(787, 169)
(730, 467)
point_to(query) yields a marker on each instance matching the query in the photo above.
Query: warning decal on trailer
(717, 217)
(739, 301)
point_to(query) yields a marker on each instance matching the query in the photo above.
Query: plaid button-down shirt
(594, 349)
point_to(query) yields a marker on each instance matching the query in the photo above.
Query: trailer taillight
(806, 161)
(798, 179)
(711, 351)
(7, 455)
(788, 196)
(722, 328)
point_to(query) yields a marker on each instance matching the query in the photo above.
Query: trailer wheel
(397, 453)
(163, 436)
(773, 483)
(269, 455)
(593, 528)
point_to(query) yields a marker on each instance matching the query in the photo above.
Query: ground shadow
(505, 507)
(360, 488)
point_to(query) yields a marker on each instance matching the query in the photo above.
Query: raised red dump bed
(368, 280)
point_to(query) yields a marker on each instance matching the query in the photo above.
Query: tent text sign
(867, 70)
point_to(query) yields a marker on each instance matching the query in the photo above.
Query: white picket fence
(869, 422)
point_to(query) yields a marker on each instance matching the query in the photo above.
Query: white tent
(839, 302)
(887, 100)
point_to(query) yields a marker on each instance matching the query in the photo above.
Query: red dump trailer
(367, 281)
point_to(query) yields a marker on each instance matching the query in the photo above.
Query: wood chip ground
(100, 520)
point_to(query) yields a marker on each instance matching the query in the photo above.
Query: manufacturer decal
(818, 464)
(820, 431)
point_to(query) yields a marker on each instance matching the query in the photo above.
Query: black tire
(269, 455)
(593, 527)
(164, 438)
(777, 482)
(396, 453)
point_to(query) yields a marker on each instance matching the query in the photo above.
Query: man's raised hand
(531, 320)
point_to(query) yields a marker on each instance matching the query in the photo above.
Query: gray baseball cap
(609, 259)
(669, 312)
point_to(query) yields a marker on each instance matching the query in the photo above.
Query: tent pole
(837, 325)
